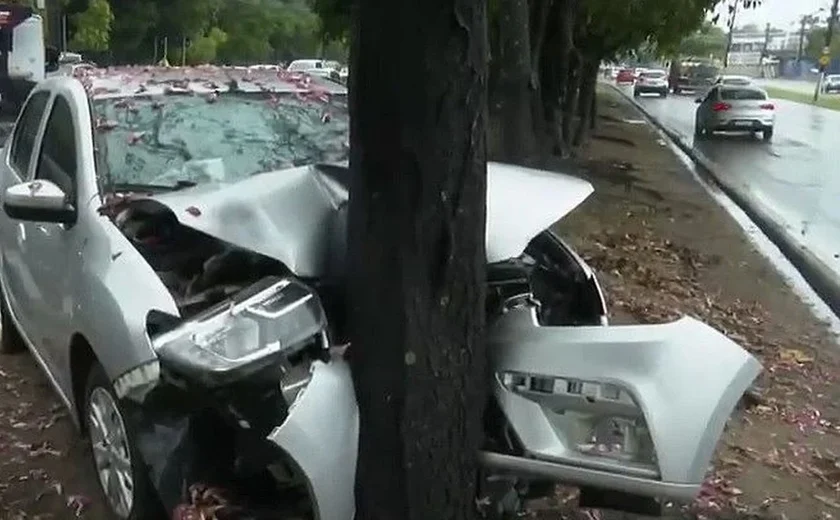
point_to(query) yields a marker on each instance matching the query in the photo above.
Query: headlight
(267, 324)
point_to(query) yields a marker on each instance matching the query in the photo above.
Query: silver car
(735, 108)
(172, 253)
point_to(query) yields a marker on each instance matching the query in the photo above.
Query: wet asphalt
(795, 178)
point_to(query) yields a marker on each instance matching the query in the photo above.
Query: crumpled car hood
(292, 215)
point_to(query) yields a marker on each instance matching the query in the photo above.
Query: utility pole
(733, 11)
(826, 57)
(763, 61)
(801, 39)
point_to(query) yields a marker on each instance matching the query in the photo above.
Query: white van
(22, 52)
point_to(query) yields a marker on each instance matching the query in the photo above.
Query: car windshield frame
(110, 132)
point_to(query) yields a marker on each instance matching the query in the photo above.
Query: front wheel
(118, 464)
(767, 134)
(699, 132)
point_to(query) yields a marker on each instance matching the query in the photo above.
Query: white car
(176, 265)
(735, 109)
(733, 80)
(321, 68)
(651, 82)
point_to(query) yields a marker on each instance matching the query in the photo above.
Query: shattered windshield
(177, 140)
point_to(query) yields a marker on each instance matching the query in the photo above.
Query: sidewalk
(663, 248)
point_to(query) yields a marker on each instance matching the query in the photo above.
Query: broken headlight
(267, 325)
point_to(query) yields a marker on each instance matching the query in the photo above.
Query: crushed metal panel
(286, 215)
(522, 202)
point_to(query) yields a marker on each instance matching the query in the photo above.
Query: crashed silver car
(172, 253)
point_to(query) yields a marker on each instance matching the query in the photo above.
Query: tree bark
(515, 81)
(417, 260)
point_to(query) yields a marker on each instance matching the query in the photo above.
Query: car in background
(652, 82)
(733, 80)
(831, 83)
(735, 108)
(625, 77)
(320, 68)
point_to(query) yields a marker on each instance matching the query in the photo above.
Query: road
(796, 178)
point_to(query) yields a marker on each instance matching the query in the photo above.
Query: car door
(705, 108)
(20, 288)
(637, 409)
(52, 246)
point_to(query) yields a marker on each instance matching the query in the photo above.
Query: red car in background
(625, 76)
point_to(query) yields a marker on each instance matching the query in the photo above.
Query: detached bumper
(321, 435)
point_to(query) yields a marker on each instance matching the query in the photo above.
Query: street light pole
(832, 19)
(733, 10)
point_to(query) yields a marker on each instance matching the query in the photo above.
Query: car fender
(115, 292)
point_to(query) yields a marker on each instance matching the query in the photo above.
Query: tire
(767, 134)
(636, 93)
(144, 503)
(11, 341)
(664, 93)
(699, 131)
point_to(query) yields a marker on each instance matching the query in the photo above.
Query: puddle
(763, 244)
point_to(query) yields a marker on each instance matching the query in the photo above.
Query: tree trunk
(417, 255)
(566, 13)
(540, 10)
(573, 80)
(515, 81)
(588, 83)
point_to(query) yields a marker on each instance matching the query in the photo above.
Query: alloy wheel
(111, 452)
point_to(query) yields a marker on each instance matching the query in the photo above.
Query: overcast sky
(782, 14)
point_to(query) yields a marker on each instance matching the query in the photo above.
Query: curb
(816, 273)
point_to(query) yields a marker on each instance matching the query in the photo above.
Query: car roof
(135, 81)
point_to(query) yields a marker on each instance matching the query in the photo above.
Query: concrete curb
(819, 276)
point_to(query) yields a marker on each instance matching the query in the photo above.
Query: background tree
(710, 40)
(816, 41)
(92, 27)
(417, 254)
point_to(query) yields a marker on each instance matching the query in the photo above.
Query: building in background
(755, 50)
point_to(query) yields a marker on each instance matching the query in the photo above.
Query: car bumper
(651, 89)
(321, 436)
(742, 125)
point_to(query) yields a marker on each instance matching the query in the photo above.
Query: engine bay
(197, 269)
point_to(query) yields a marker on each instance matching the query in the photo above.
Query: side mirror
(38, 201)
